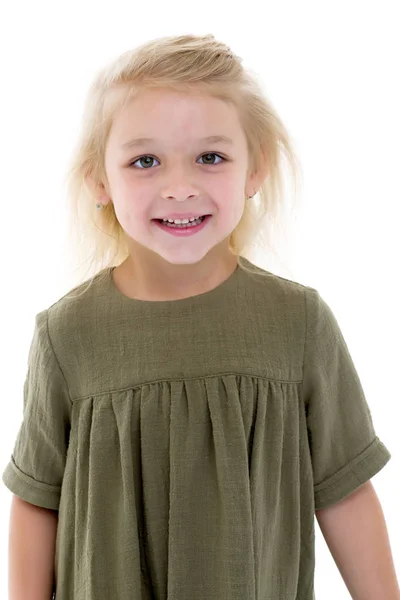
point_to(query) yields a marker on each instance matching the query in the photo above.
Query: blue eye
(145, 156)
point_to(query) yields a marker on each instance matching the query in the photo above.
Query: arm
(355, 532)
(32, 537)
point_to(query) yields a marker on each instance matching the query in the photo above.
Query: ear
(255, 180)
(99, 190)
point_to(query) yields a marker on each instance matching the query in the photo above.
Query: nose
(180, 197)
(178, 185)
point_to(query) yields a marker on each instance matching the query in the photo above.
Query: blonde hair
(186, 63)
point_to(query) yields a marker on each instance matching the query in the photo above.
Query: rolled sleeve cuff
(30, 490)
(357, 472)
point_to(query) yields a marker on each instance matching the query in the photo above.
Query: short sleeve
(36, 467)
(345, 450)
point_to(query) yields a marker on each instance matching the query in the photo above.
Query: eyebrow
(134, 143)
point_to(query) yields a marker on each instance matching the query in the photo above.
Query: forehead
(170, 115)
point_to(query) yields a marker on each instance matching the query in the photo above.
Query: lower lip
(183, 232)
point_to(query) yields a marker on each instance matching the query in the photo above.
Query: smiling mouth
(194, 226)
(194, 223)
(202, 217)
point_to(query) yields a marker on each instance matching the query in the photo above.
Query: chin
(182, 257)
(185, 255)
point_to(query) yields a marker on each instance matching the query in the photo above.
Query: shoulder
(281, 306)
(296, 308)
(274, 309)
(270, 288)
(74, 313)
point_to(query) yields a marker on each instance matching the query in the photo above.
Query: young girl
(187, 412)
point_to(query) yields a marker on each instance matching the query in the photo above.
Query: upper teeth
(178, 221)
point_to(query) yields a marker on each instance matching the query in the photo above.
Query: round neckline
(223, 287)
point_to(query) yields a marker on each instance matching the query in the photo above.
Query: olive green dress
(187, 443)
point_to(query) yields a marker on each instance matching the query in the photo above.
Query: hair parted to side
(189, 64)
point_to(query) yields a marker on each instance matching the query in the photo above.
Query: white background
(331, 70)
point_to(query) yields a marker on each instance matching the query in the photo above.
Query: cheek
(127, 213)
(233, 210)
(133, 206)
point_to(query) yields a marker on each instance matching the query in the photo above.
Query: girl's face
(177, 171)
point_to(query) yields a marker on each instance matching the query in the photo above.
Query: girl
(187, 412)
